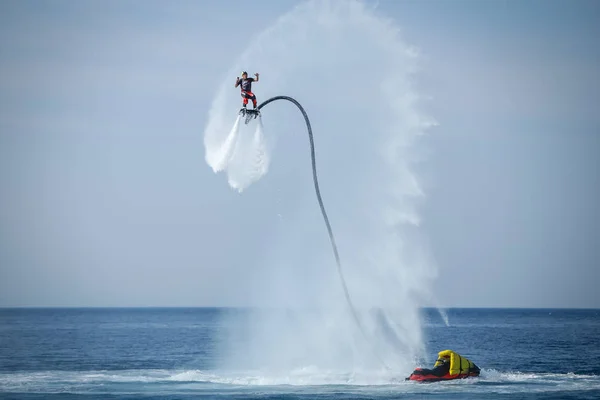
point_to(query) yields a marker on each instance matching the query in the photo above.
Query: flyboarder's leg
(249, 96)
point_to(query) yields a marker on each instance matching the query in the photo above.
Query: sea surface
(172, 353)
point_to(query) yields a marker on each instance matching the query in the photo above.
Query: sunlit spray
(221, 155)
(243, 155)
(352, 73)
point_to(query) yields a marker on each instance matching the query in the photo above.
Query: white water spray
(352, 73)
(243, 155)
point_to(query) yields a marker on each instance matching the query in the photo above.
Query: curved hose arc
(318, 193)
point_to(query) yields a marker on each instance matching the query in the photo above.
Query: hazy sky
(105, 198)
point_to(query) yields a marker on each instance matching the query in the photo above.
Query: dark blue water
(175, 353)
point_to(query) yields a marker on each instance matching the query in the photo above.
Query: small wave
(492, 374)
(307, 376)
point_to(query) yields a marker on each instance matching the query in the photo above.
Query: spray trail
(242, 155)
(353, 75)
(221, 154)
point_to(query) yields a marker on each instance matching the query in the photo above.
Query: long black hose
(318, 192)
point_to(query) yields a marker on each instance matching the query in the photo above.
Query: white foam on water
(308, 379)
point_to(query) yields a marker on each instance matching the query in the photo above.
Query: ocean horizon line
(162, 307)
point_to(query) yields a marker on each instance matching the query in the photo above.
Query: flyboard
(249, 114)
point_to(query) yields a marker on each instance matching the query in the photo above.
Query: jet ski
(449, 365)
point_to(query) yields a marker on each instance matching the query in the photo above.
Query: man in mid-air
(247, 88)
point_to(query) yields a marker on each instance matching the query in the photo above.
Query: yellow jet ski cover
(459, 365)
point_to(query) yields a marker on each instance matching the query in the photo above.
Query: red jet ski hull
(425, 375)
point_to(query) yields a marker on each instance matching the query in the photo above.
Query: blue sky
(105, 198)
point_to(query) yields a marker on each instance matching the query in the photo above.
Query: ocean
(174, 353)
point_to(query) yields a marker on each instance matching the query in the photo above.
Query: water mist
(353, 74)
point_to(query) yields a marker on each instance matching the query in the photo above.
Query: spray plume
(352, 73)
